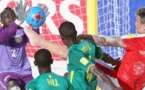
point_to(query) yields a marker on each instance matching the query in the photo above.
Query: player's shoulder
(59, 77)
(80, 45)
(34, 81)
(87, 42)
(128, 36)
(31, 84)
(52, 74)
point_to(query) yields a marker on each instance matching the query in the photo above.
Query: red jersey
(132, 69)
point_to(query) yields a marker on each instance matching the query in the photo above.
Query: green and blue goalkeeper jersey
(49, 81)
(80, 57)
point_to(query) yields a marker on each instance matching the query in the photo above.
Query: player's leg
(8, 80)
(12, 84)
(35, 39)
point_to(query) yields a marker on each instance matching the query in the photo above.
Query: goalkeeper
(15, 70)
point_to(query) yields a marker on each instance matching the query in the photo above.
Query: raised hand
(44, 7)
(20, 9)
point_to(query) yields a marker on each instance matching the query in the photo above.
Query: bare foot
(34, 38)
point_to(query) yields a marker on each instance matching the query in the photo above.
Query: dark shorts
(21, 79)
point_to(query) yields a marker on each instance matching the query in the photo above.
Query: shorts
(22, 80)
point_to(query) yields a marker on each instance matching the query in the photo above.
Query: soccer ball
(35, 16)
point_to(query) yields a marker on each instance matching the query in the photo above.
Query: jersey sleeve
(98, 52)
(79, 59)
(134, 43)
(31, 85)
(8, 32)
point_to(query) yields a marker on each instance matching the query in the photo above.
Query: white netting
(113, 20)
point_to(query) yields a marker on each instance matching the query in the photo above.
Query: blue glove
(20, 12)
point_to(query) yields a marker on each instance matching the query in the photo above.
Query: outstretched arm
(108, 59)
(54, 48)
(93, 69)
(8, 32)
(103, 40)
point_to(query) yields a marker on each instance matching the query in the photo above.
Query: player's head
(140, 20)
(7, 16)
(68, 33)
(43, 58)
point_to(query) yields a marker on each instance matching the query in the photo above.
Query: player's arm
(8, 32)
(93, 69)
(54, 48)
(108, 59)
(103, 40)
(78, 58)
(99, 54)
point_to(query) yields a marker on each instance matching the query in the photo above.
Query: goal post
(92, 25)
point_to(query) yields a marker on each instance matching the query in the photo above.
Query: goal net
(113, 20)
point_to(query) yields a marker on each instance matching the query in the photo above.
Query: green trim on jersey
(80, 57)
(49, 81)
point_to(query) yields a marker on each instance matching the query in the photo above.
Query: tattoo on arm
(108, 41)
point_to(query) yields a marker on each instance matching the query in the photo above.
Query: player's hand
(44, 7)
(20, 12)
(117, 62)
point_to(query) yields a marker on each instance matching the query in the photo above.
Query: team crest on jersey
(84, 61)
(18, 39)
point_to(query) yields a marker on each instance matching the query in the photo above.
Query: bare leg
(36, 39)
